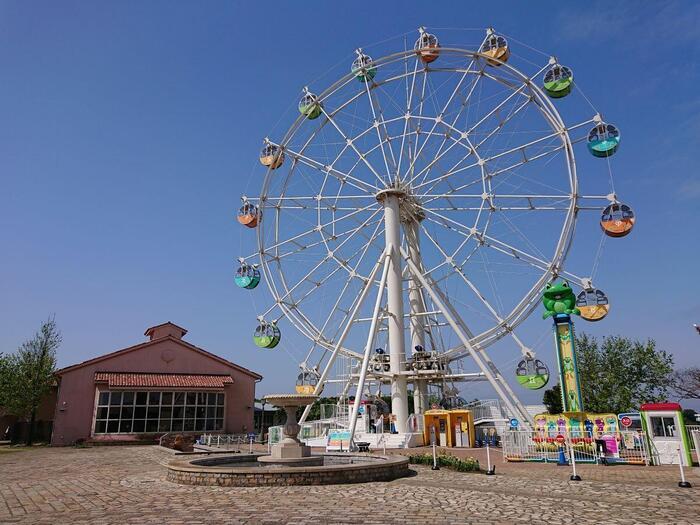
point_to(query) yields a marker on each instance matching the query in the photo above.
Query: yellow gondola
(593, 304)
(496, 48)
(306, 383)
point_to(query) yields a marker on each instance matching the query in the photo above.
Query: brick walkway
(127, 485)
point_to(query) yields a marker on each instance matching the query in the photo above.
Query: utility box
(453, 428)
(462, 428)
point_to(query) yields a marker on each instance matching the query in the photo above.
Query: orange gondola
(271, 156)
(427, 46)
(617, 220)
(249, 215)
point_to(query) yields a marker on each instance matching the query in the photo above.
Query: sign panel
(338, 440)
(514, 423)
(626, 421)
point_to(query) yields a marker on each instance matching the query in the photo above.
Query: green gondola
(247, 276)
(532, 373)
(362, 67)
(267, 335)
(310, 107)
(558, 81)
(603, 140)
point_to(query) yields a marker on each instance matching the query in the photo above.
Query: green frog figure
(559, 299)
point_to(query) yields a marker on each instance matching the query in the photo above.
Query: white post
(368, 346)
(491, 471)
(417, 308)
(574, 476)
(346, 331)
(397, 350)
(682, 483)
(250, 448)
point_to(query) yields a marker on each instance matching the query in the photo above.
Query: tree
(552, 399)
(620, 374)
(686, 383)
(26, 376)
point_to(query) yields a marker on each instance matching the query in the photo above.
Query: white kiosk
(665, 428)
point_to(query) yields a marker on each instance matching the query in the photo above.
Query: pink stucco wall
(76, 394)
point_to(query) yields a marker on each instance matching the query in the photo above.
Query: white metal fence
(690, 429)
(629, 447)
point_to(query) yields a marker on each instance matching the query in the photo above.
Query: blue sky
(128, 131)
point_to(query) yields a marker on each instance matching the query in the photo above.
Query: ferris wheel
(413, 212)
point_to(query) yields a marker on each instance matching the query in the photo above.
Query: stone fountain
(290, 451)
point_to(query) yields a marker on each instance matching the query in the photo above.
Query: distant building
(162, 385)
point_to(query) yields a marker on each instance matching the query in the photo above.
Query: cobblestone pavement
(127, 485)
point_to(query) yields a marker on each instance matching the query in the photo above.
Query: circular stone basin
(244, 470)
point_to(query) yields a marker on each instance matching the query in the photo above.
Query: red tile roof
(146, 380)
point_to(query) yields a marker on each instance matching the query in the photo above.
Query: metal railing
(689, 430)
(629, 447)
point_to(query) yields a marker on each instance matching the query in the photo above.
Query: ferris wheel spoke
(374, 105)
(351, 143)
(324, 168)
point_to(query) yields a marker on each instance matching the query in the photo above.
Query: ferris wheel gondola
(617, 220)
(362, 67)
(532, 373)
(558, 81)
(427, 46)
(603, 140)
(267, 335)
(247, 276)
(271, 156)
(249, 215)
(593, 304)
(496, 48)
(309, 106)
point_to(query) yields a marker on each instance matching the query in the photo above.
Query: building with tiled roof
(163, 385)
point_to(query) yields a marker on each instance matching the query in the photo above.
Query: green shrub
(446, 460)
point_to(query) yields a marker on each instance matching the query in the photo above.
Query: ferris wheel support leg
(453, 319)
(341, 340)
(416, 319)
(368, 350)
(394, 284)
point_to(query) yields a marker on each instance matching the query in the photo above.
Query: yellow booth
(453, 428)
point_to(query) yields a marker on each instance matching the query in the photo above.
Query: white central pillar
(417, 319)
(397, 350)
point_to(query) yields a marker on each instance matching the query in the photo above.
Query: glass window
(663, 426)
(137, 412)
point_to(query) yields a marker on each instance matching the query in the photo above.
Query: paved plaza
(127, 485)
